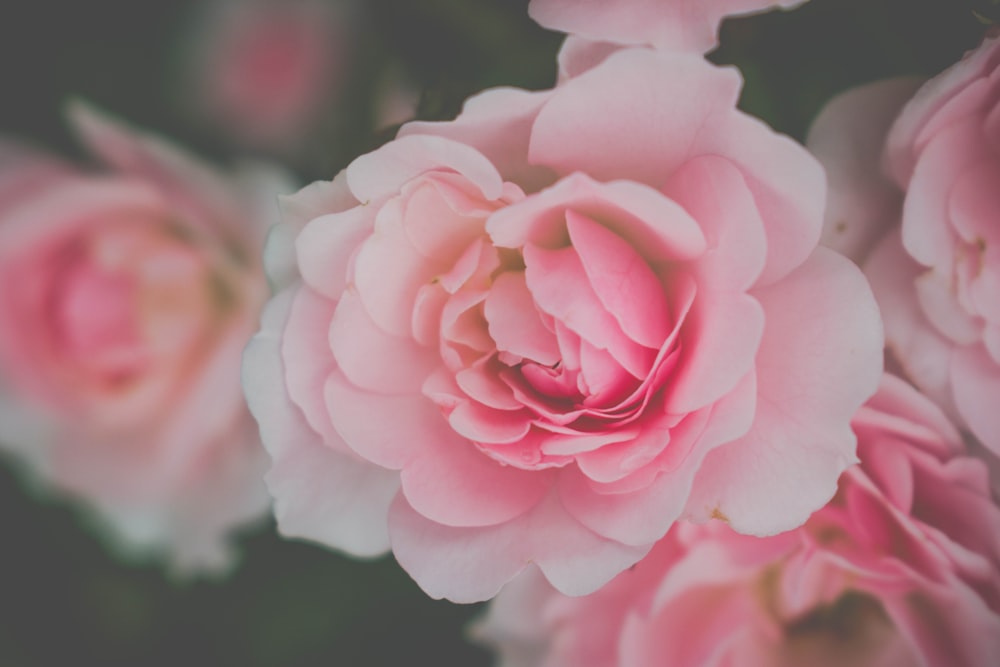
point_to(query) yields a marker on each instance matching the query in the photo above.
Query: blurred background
(358, 69)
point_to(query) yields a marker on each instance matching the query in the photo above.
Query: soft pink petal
(514, 321)
(390, 443)
(325, 246)
(381, 173)
(622, 280)
(579, 54)
(787, 183)
(820, 358)
(388, 272)
(333, 499)
(683, 25)
(372, 358)
(307, 358)
(975, 381)
(923, 352)
(315, 200)
(320, 494)
(927, 235)
(848, 137)
(558, 282)
(611, 124)
(716, 194)
(452, 482)
(497, 122)
(719, 342)
(480, 423)
(472, 564)
(936, 297)
(910, 132)
(652, 224)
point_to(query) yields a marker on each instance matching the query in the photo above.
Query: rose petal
(372, 358)
(472, 564)
(385, 170)
(848, 138)
(832, 345)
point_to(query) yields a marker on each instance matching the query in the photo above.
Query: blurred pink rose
(676, 25)
(525, 335)
(937, 274)
(265, 71)
(126, 298)
(901, 569)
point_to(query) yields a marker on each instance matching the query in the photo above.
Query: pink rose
(937, 273)
(681, 25)
(902, 568)
(265, 71)
(544, 331)
(126, 298)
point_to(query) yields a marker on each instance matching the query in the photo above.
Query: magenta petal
(820, 358)
(372, 358)
(385, 170)
(472, 564)
(325, 246)
(487, 491)
(514, 322)
(622, 280)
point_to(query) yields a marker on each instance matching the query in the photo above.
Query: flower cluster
(610, 351)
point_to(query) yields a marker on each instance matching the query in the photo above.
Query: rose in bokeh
(126, 298)
(547, 329)
(935, 215)
(902, 568)
(265, 72)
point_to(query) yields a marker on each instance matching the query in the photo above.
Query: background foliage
(63, 598)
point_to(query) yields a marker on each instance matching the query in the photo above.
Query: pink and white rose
(542, 332)
(933, 215)
(126, 297)
(901, 569)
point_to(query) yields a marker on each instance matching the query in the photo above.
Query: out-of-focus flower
(265, 72)
(543, 331)
(681, 25)
(901, 569)
(126, 298)
(937, 273)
